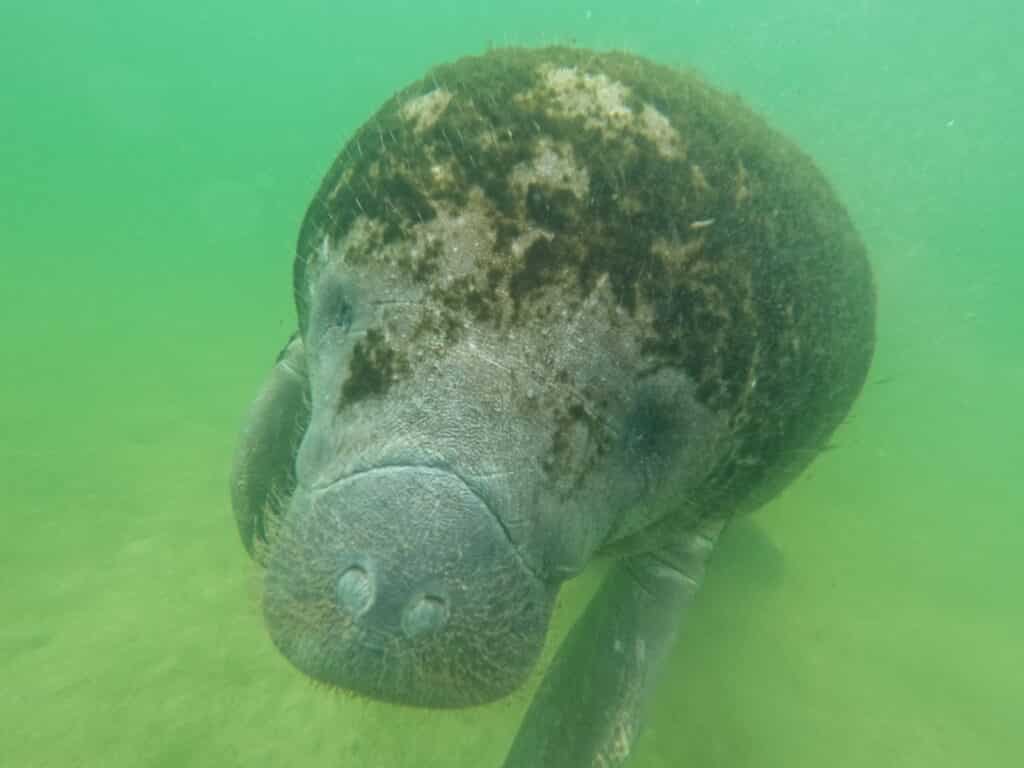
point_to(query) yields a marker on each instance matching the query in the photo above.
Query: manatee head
(551, 303)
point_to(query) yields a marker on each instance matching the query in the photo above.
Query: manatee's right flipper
(590, 704)
(263, 475)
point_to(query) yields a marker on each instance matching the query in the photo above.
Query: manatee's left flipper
(588, 709)
(263, 475)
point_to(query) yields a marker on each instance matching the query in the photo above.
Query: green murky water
(156, 160)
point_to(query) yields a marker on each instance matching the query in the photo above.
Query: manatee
(553, 305)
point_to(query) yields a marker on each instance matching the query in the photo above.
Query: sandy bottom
(868, 617)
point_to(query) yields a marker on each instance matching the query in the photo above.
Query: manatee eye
(342, 314)
(334, 307)
(648, 429)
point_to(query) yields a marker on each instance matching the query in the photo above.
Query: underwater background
(155, 162)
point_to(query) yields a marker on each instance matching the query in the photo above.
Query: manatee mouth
(474, 488)
(400, 583)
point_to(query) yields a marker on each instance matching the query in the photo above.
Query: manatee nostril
(355, 591)
(425, 614)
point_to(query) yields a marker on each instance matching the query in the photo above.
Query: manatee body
(552, 305)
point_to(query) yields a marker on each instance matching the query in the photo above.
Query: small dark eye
(334, 307)
(649, 429)
(343, 314)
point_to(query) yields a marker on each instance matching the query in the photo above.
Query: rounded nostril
(355, 590)
(425, 614)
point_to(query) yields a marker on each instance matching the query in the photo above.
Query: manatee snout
(399, 583)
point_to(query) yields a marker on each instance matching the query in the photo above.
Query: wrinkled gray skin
(444, 598)
(415, 531)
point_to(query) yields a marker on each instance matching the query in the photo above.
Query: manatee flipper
(263, 474)
(588, 709)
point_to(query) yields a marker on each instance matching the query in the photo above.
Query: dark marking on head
(543, 259)
(424, 269)
(374, 367)
(556, 210)
(464, 297)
